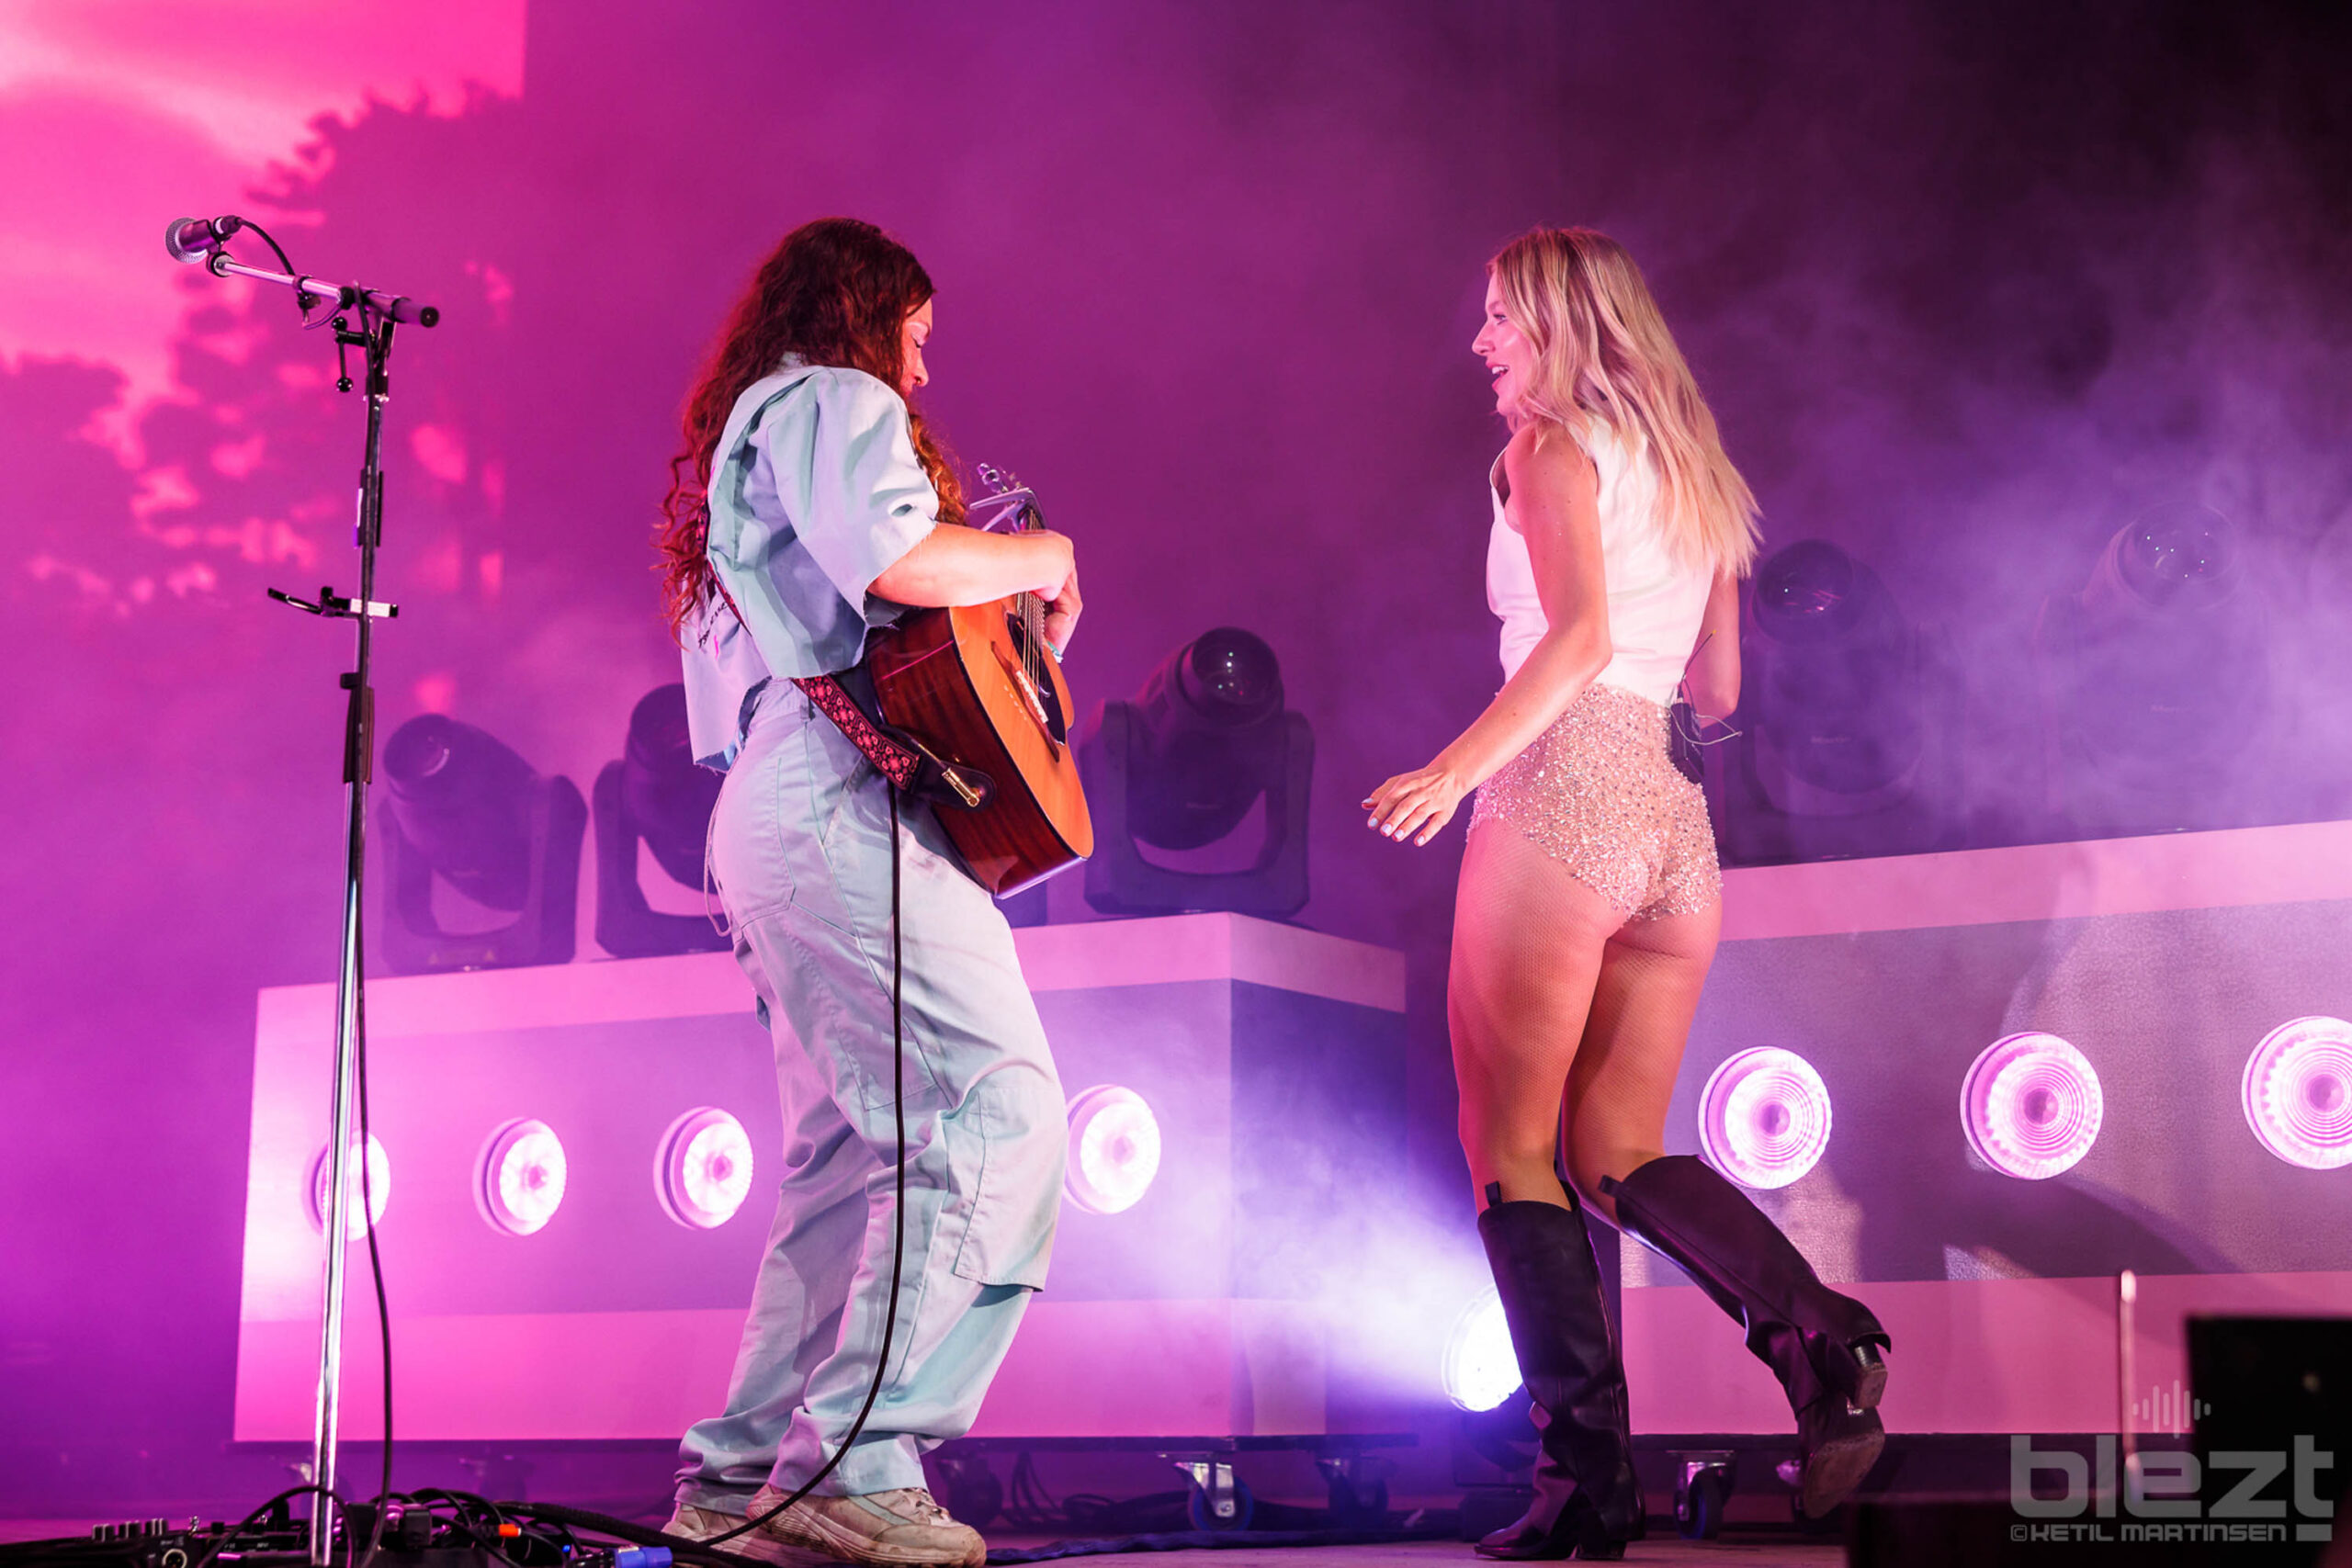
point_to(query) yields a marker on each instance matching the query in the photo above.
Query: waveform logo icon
(2173, 1409)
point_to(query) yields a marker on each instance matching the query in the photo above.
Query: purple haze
(1967, 287)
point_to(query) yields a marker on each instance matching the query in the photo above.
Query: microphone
(206, 239)
(187, 239)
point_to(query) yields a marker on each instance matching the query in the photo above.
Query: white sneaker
(904, 1528)
(692, 1523)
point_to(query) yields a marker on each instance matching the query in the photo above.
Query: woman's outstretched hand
(1415, 806)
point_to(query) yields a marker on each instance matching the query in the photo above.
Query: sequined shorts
(1598, 793)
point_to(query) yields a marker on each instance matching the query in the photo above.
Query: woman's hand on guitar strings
(1413, 806)
(1063, 606)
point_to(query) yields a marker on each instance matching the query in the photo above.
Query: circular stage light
(1764, 1117)
(518, 1182)
(2031, 1106)
(1480, 1369)
(2298, 1092)
(702, 1172)
(378, 1190)
(1113, 1149)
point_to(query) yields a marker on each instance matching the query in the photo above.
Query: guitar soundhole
(1045, 696)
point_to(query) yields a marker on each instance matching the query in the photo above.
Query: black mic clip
(334, 606)
(345, 338)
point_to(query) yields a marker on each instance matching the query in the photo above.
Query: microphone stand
(346, 296)
(377, 314)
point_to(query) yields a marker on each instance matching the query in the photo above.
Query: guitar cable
(899, 1247)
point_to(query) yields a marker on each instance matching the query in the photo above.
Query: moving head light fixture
(2157, 679)
(658, 795)
(463, 811)
(2321, 704)
(1849, 719)
(1178, 769)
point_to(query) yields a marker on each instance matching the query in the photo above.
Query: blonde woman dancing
(1590, 899)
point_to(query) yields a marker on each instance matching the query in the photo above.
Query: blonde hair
(1604, 355)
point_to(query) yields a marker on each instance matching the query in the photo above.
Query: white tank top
(1655, 601)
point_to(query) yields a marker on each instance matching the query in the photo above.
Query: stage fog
(1970, 292)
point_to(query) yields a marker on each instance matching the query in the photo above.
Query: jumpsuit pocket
(1006, 1145)
(821, 833)
(745, 854)
(848, 849)
(876, 1082)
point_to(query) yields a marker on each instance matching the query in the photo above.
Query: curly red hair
(837, 291)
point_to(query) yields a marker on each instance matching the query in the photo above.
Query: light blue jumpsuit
(815, 492)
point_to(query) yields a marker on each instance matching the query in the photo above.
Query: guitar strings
(1033, 624)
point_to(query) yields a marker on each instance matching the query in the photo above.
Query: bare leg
(1528, 940)
(1821, 1346)
(1642, 1001)
(1527, 948)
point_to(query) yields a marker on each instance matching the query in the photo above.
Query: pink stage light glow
(1764, 1117)
(2298, 1092)
(518, 1183)
(2031, 1106)
(1113, 1149)
(379, 1189)
(703, 1171)
(1480, 1369)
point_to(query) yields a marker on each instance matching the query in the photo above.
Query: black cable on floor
(682, 1549)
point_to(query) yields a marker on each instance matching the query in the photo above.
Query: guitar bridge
(1032, 699)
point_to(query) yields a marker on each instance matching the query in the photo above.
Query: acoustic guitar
(979, 687)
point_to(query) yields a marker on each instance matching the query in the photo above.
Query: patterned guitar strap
(896, 755)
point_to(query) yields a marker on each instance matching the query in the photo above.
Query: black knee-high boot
(1823, 1346)
(1587, 1503)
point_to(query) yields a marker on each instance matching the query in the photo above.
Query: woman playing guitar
(808, 508)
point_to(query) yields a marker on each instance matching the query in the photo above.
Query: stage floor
(1758, 1551)
(1751, 1552)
